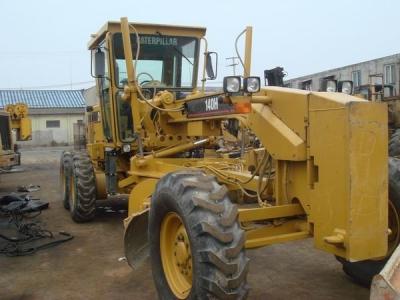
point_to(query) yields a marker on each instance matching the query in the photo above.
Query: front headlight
(251, 84)
(331, 86)
(126, 148)
(346, 87)
(231, 84)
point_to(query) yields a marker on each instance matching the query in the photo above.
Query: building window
(356, 77)
(389, 74)
(306, 85)
(52, 123)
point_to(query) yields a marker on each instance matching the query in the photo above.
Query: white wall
(41, 135)
(91, 96)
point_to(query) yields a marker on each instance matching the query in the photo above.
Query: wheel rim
(394, 225)
(176, 255)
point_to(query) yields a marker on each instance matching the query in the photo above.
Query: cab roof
(146, 28)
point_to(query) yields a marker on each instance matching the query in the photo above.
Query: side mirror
(211, 61)
(99, 64)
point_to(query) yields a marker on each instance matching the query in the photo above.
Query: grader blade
(136, 240)
(386, 284)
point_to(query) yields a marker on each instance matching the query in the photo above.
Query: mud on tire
(220, 265)
(82, 201)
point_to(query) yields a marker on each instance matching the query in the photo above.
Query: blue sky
(44, 42)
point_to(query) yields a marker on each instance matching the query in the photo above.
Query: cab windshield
(164, 61)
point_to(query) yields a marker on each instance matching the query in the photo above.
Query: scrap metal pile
(21, 235)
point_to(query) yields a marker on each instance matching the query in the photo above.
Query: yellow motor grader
(14, 117)
(317, 166)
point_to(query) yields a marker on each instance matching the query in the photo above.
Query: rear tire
(65, 176)
(210, 221)
(394, 144)
(83, 189)
(363, 272)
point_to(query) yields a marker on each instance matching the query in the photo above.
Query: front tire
(363, 272)
(82, 198)
(191, 214)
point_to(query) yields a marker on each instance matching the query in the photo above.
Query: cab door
(104, 90)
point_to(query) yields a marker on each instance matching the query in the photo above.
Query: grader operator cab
(194, 210)
(13, 118)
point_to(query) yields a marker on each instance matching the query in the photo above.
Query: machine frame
(311, 177)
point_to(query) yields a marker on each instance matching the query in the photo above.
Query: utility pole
(70, 71)
(233, 63)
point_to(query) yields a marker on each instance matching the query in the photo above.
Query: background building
(91, 96)
(53, 113)
(388, 66)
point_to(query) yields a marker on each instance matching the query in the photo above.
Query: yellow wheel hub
(176, 256)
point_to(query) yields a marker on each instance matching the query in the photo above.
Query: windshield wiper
(176, 49)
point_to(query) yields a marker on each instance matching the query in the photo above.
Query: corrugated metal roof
(43, 98)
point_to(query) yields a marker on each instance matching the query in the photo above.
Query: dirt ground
(88, 267)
